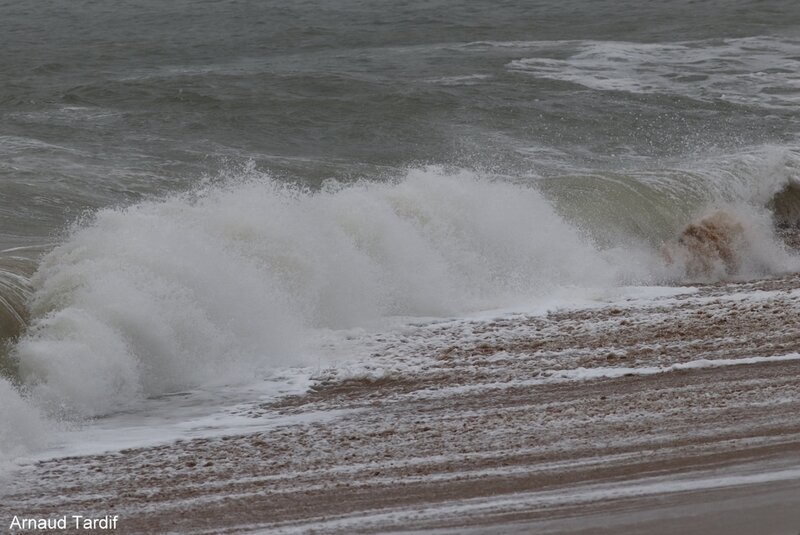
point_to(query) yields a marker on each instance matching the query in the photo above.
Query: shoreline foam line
(521, 501)
(615, 372)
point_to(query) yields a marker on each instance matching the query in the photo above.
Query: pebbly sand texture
(679, 414)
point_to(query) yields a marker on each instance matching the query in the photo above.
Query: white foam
(211, 286)
(752, 70)
(582, 374)
(381, 519)
(216, 286)
(22, 426)
(220, 411)
(469, 79)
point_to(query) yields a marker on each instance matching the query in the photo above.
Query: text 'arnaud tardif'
(76, 522)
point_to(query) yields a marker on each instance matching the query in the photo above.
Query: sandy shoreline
(658, 415)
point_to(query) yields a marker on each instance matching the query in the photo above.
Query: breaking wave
(201, 287)
(16, 268)
(216, 284)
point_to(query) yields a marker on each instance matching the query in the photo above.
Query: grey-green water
(109, 103)
(628, 116)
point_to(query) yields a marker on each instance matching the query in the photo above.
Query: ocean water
(192, 193)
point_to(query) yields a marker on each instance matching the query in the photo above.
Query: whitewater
(211, 286)
(228, 282)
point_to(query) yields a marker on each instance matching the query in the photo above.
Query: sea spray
(22, 426)
(210, 286)
(654, 204)
(220, 283)
(16, 267)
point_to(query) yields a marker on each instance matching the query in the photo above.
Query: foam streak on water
(752, 70)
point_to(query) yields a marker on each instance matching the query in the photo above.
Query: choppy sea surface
(196, 194)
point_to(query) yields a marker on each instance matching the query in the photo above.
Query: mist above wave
(220, 283)
(211, 285)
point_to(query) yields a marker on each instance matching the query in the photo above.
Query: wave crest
(215, 284)
(194, 288)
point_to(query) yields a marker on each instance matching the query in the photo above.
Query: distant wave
(758, 70)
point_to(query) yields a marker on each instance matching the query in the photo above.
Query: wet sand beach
(673, 414)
